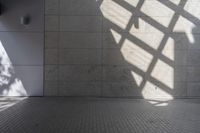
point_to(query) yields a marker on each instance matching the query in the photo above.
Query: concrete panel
(51, 40)
(80, 56)
(112, 39)
(86, 7)
(80, 40)
(80, 89)
(81, 23)
(134, 48)
(180, 89)
(180, 73)
(117, 73)
(134, 56)
(193, 89)
(51, 73)
(181, 57)
(193, 74)
(80, 73)
(51, 6)
(51, 88)
(51, 56)
(120, 89)
(51, 23)
(194, 58)
(113, 57)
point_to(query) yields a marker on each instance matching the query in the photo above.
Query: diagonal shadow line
(163, 43)
(150, 50)
(151, 79)
(130, 23)
(181, 11)
(151, 21)
(136, 20)
(128, 27)
(144, 75)
(141, 44)
(143, 16)
(146, 18)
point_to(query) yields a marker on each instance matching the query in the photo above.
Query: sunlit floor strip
(7, 102)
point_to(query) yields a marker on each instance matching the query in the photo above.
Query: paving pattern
(100, 115)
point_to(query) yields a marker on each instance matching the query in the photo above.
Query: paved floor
(93, 115)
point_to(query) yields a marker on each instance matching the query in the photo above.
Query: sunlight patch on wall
(157, 11)
(115, 13)
(175, 1)
(138, 78)
(147, 33)
(153, 92)
(132, 2)
(116, 35)
(164, 73)
(111, 8)
(15, 89)
(145, 27)
(136, 55)
(10, 85)
(192, 8)
(152, 40)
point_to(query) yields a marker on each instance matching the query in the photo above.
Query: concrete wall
(115, 48)
(21, 48)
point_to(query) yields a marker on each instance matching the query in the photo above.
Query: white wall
(21, 48)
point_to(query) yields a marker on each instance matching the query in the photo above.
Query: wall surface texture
(122, 48)
(21, 48)
(108, 48)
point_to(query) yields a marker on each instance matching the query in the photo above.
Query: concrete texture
(93, 115)
(137, 48)
(21, 48)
